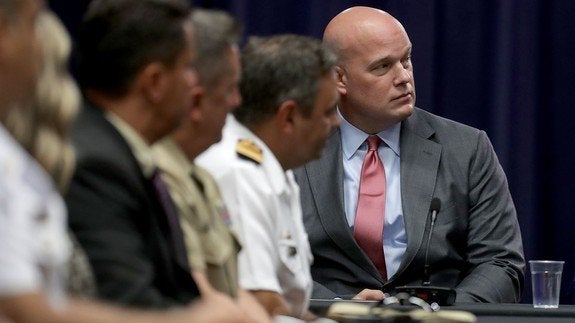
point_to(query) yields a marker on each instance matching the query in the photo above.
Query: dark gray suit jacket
(118, 220)
(476, 245)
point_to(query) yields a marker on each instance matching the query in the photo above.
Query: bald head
(374, 71)
(355, 27)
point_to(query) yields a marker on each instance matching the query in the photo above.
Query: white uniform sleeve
(250, 204)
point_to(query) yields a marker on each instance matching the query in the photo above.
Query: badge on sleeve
(248, 149)
(292, 250)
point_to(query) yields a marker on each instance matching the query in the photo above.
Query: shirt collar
(170, 157)
(352, 137)
(141, 150)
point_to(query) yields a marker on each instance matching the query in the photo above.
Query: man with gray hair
(288, 109)
(212, 247)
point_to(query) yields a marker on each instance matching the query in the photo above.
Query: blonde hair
(41, 128)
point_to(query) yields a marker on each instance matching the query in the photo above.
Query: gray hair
(216, 32)
(280, 68)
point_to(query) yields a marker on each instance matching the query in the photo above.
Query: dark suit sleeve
(103, 212)
(322, 292)
(494, 246)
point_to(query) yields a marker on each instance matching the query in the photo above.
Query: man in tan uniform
(212, 247)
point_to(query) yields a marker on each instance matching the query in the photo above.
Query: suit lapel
(326, 180)
(139, 184)
(419, 164)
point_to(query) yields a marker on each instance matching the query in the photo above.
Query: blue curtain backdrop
(504, 66)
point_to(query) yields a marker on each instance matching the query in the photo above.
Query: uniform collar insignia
(248, 149)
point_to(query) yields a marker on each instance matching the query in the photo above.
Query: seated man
(287, 111)
(137, 78)
(367, 201)
(212, 247)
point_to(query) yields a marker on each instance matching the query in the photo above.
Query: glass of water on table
(546, 282)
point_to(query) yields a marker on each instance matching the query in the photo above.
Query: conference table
(487, 313)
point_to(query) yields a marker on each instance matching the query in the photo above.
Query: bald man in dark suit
(476, 245)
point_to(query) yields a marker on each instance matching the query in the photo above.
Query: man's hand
(215, 306)
(370, 295)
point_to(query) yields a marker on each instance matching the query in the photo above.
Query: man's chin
(401, 113)
(406, 110)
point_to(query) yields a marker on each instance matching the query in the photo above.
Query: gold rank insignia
(248, 149)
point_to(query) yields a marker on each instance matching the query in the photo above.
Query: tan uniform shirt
(212, 246)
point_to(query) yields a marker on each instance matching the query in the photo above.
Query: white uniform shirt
(265, 209)
(34, 247)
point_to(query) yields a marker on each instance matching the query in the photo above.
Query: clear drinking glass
(546, 282)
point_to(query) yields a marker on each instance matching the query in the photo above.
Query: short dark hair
(280, 68)
(216, 32)
(119, 37)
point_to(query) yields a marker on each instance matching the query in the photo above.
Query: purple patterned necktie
(170, 212)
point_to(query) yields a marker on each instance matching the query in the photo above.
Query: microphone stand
(431, 294)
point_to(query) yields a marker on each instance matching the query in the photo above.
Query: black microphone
(430, 294)
(434, 207)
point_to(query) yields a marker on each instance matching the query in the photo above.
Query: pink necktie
(369, 217)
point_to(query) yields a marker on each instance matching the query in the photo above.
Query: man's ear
(196, 111)
(287, 116)
(153, 82)
(341, 79)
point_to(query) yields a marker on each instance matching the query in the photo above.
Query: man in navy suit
(136, 92)
(476, 245)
